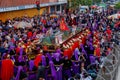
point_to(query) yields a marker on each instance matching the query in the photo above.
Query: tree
(75, 3)
(85, 2)
(117, 6)
(88, 2)
(96, 1)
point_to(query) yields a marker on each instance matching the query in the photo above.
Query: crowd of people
(78, 58)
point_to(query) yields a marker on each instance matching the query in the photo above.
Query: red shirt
(109, 32)
(97, 52)
(43, 21)
(29, 34)
(37, 60)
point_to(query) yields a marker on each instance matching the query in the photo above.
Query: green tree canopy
(76, 3)
(117, 6)
(96, 1)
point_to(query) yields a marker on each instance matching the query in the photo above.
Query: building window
(62, 8)
(58, 7)
(52, 9)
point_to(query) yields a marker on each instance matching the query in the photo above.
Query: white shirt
(88, 78)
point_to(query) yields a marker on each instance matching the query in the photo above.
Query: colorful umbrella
(114, 16)
(22, 24)
(53, 16)
(94, 6)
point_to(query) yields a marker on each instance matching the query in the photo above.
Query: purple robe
(44, 60)
(76, 68)
(59, 73)
(91, 46)
(21, 51)
(84, 52)
(12, 57)
(49, 56)
(95, 26)
(11, 48)
(18, 72)
(91, 40)
(31, 65)
(53, 70)
(92, 59)
(58, 50)
(20, 58)
(89, 24)
(76, 52)
(56, 56)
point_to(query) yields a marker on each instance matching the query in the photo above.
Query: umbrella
(114, 16)
(93, 6)
(102, 5)
(22, 24)
(53, 16)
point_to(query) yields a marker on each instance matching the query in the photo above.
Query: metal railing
(110, 65)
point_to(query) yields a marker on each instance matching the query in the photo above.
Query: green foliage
(117, 6)
(88, 2)
(76, 3)
(96, 1)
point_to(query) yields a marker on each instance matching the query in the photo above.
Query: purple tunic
(59, 73)
(53, 71)
(21, 51)
(76, 52)
(31, 65)
(18, 72)
(44, 60)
